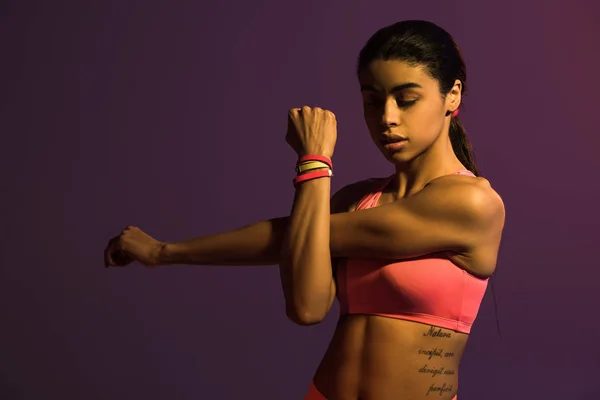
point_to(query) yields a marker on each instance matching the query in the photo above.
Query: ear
(454, 97)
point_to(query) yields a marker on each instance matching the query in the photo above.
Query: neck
(438, 160)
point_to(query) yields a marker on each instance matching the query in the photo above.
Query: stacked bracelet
(312, 167)
(307, 166)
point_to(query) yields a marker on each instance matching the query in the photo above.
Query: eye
(405, 103)
(404, 100)
(373, 102)
(377, 102)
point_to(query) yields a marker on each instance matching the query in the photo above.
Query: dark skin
(386, 350)
(425, 209)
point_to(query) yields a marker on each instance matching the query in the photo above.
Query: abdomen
(382, 358)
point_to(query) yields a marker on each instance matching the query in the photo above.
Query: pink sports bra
(429, 289)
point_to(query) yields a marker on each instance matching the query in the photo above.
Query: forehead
(384, 75)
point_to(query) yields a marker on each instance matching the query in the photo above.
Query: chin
(397, 158)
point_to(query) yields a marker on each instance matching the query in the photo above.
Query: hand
(132, 245)
(311, 131)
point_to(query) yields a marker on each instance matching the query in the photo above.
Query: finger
(115, 253)
(108, 261)
(129, 228)
(122, 259)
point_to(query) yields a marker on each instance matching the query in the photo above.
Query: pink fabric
(430, 289)
(314, 394)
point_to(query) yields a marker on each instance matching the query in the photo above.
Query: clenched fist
(132, 245)
(311, 131)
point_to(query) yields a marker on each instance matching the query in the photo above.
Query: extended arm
(255, 244)
(258, 243)
(440, 217)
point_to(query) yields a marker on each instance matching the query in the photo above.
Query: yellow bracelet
(310, 165)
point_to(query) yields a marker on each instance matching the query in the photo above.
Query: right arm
(255, 244)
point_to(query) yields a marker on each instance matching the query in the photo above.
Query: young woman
(408, 256)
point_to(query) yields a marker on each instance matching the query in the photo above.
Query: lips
(393, 144)
(392, 139)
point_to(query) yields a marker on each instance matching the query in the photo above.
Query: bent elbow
(305, 317)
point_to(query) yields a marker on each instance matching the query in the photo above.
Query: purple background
(157, 113)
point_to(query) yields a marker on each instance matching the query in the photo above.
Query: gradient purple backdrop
(155, 113)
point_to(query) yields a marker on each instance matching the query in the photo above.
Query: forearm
(254, 244)
(261, 243)
(305, 262)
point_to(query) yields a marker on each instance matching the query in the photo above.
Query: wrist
(321, 153)
(165, 254)
(317, 174)
(311, 167)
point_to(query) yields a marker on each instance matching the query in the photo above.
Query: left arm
(450, 214)
(305, 261)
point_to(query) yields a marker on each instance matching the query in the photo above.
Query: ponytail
(462, 146)
(463, 150)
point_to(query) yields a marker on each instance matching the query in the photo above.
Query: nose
(391, 113)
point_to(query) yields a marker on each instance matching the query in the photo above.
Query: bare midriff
(380, 358)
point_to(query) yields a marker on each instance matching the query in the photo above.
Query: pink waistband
(314, 394)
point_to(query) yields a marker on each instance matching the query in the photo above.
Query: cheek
(422, 124)
(428, 123)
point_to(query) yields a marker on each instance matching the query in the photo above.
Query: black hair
(423, 43)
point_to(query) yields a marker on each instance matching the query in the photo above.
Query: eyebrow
(397, 88)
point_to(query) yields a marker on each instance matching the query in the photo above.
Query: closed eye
(405, 104)
(378, 103)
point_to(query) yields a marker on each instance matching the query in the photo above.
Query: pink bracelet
(315, 157)
(324, 173)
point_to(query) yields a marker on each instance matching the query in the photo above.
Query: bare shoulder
(476, 211)
(474, 196)
(347, 197)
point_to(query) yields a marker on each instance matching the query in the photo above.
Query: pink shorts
(314, 394)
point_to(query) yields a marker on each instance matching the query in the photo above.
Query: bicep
(439, 218)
